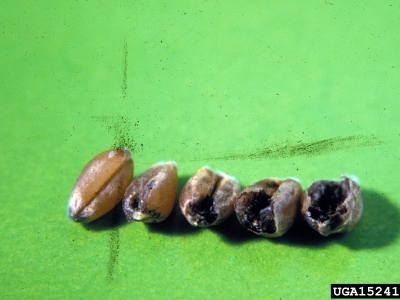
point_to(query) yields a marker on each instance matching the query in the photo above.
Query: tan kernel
(332, 206)
(151, 196)
(208, 198)
(101, 185)
(269, 207)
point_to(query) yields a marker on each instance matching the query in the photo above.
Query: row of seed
(268, 207)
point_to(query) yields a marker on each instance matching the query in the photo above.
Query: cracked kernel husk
(269, 207)
(208, 198)
(332, 206)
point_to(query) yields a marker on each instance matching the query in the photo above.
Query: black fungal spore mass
(204, 209)
(326, 196)
(260, 216)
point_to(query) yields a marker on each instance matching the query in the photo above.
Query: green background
(308, 89)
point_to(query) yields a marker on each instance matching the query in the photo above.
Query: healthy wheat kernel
(100, 185)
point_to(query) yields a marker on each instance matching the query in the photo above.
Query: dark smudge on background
(312, 148)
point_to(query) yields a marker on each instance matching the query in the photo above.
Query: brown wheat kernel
(269, 207)
(100, 185)
(151, 196)
(208, 198)
(332, 206)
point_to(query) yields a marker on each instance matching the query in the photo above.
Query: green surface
(250, 88)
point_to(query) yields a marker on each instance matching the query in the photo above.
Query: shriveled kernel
(100, 185)
(332, 206)
(269, 207)
(151, 196)
(208, 198)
